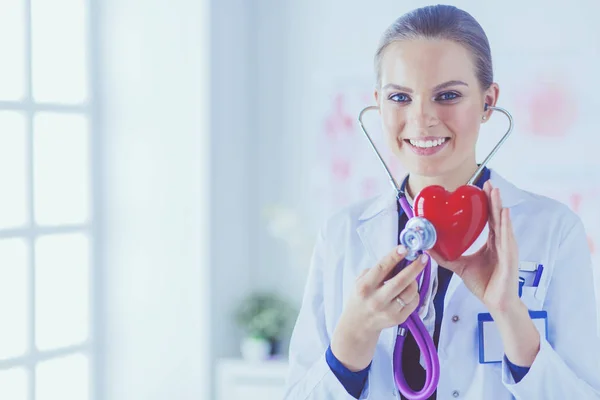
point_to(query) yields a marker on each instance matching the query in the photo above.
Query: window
(47, 224)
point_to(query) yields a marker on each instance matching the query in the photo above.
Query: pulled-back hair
(442, 22)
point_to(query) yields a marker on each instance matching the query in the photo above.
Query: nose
(422, 114)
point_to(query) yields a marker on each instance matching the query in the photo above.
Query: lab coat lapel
(379, 234)
(378, 227)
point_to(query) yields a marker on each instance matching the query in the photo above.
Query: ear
(377, 97)
(490, 97)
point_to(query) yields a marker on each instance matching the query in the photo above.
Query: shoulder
(341, 226)
(347, 218)
(535, 208)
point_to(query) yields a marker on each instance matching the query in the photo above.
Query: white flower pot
(255, 349)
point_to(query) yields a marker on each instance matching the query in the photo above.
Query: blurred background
(165, 166)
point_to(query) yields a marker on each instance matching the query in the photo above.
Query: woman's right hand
(374, 306)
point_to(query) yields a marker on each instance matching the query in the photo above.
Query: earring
(483, 118)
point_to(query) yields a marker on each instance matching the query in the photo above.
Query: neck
(450, 181)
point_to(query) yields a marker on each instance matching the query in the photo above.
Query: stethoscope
(419, 235)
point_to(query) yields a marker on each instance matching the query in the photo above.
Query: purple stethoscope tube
(425, 342)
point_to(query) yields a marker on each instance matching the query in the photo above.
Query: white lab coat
(568, 363)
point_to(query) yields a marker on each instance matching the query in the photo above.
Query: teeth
(428, 143)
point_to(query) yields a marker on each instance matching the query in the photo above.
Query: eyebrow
(435, 89)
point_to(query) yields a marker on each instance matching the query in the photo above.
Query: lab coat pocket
(533, 297)
(536, 277)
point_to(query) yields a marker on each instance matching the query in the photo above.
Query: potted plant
(264, 318)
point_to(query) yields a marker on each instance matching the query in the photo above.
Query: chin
(429, 169)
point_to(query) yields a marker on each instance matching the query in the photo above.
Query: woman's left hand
(492, 273)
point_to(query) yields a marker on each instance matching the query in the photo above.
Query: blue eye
(448, 96)
(399, 98)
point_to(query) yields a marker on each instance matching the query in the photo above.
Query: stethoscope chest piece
(418, 235)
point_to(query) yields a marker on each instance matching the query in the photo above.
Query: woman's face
(431, 105)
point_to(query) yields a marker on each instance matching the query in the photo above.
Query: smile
(427, 146)
(423, 144)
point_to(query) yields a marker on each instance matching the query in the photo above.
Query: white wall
(233, 169)
(154, 109)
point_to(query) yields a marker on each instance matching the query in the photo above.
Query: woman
(434, 78)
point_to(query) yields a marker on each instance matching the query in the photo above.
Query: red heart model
(458, 217)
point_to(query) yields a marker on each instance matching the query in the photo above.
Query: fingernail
(401, 250)
(424, 258)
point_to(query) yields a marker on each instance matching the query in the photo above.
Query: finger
(411, 292)
(377, 274)
(492, 220)
(503, 224)
(504, 250)
(399, 314)
(362, 274)
(441, 260)
(498, 202)
(496, 210)
(402, 279)
(455, 266)
(511, 231)
(493, 208)
(508, 238)
(405, 296)
(513, 247)
(487, 188)
(437, 256)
